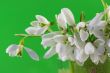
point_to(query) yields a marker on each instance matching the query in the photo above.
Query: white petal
(48, 42)
(61, 21)
(35, 23)
(78, 42)
(32, 54)
(12, 50)
(95, 58)
(98, 33)
(80, 25)
(93, 23)
(60, 38)
(50, 35)
(36, 30)
(42, 19)
(100, 50)
(101, 25)
(103, 58)
(71, 40)
(96, 19)
(80, 55)
(84, 35)
(50, 53)
(99, 42)
(89, 48)
(69, 16)
(61, 49)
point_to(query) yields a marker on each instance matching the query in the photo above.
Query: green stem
(71, 67)
(26, 35)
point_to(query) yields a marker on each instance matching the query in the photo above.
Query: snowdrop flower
(96, 26)
(65, 52)
(98, 55)
(69, 16)
(38, 27)
(16, 50)
(48, 41)
(52, 44)
(57, 43)
(80, 56)
(62, 23)
(79, 53)
(85, 50)
(96, 52)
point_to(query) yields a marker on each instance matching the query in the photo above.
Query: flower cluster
(74, 42)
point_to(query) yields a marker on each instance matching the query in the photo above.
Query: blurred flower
(38, 27)
(16, 50)
(69, 16)
(62, 23)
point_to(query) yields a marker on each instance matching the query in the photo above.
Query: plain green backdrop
(16, 15)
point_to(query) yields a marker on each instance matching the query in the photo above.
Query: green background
(16, 15)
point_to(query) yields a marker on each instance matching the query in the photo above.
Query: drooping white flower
(80, 56)
(38, 27)
(98, 55)
(51, 40)
(65, 52)
(62, 23)
(15, 50)
(36, 30)
(83, 35)
(69, 16)
(96, 26)
(95, 58)
(47, 39)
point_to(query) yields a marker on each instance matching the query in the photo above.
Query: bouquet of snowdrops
(73, 42)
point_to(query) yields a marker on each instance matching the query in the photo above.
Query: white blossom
(14, 50)
(69, 16)
(62, 23)
(38, 27)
